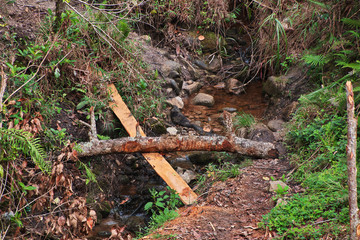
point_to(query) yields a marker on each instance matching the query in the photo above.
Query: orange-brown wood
(157, 161)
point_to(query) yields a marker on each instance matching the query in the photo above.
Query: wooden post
(351, 164)
(157, 161)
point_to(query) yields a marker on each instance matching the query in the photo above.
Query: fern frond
(351, 22)
(124, 28)
(354, 65)
(24, 142)
(314, 60)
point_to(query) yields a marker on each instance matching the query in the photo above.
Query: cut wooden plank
(157, 161)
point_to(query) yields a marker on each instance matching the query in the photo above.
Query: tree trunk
(351, 162)
(178, 144)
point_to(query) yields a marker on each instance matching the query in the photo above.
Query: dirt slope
(231, 209)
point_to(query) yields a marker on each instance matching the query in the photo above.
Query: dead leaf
(61, 221)
(90, 223)
(24, 164)
(124, 201)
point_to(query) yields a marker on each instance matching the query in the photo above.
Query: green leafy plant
(163, 208)
(14, 141)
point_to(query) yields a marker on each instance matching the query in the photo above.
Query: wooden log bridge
(150, 146)
(179, 144)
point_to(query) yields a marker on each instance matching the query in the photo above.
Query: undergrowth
(317, 139)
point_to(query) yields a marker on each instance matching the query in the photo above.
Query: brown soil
(231, 209)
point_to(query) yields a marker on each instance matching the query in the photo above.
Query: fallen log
(178, 144)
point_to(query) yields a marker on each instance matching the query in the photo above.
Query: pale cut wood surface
(157, 161)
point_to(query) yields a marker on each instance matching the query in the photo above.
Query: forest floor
(231, 209)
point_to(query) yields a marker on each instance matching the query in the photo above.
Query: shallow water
(251, 101)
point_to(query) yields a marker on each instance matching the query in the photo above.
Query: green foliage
(161, 200)
(90, 176)
(355, 23)
(163, 208)
(243, 120)
(14, 141)
(274, 24)
(220, 172)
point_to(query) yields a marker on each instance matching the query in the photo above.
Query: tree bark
(351, 164)
(178, 144)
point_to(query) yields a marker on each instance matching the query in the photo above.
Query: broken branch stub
(178, 144)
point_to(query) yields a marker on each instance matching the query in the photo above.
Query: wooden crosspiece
(157, 161)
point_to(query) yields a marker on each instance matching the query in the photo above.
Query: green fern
(315, 60)
(351, 22)
(354, 65)
(23, 141)
(124, 28)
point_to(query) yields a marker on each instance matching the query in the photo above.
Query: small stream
(128, 207)
(251, 101)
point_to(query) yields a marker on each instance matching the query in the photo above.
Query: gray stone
(186, 175)
(200, 64)
(215, 65)
(174, 85)
(174, 74)
(203, 99)
(176, 101)
(192, 88)
(261, 133)
(172, 131)
(274, 185)
(275, 125)
(169, 66)
(229, 109)
(220, 85)
(275, 86)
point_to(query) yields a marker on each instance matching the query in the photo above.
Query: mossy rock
(275, 86)
(210, 40)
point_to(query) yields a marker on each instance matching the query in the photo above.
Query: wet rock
(192, 88)
(201, 64)
(215, 64)
(186, 175)
(169, 66)
(174, 85)
(211, 42)
(220, 85)
(202, 158)
(275, 125)
(261, 133)
(181, 162)
(281, 148)
(229, 109)
(176, 101)
(275, 86)
(135, 223)
(275, 185)
(174, 74)
(234, 86)
(157, 126)
(203, 99)
(172, 131)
